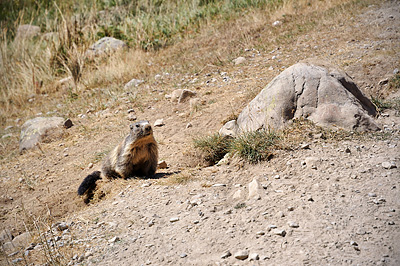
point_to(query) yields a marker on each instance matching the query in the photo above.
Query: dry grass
(31, 69)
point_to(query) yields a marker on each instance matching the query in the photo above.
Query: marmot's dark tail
(89, 183)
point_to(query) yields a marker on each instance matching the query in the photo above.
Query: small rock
(189, 125)
(183, 255)
(186, 94)
(159, 123)
(254, 189)
(88, 254)
(389, 165)
(114, 239)
(219, 185)
(27, 31)
(239, 60)
(278, 232)
(305, 146)
(146, 184)
(174, 219)
(395, 71)
(253, 256)
(276, 23)
(17, 260)
(68, 123)
(162, 164)
(383, 81)
(293, 224)
(133, 83)
(90, 165)
(260, 233)
(61, 226)
(353, 243)
(226, 254)
(132, 117)
(372, 195)
(241, 255)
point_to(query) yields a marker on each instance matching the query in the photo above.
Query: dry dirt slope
(343, 200)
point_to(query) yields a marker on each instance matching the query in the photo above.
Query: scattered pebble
(278, 232)
(389, 165)
(226, 254)
(293, 224)
(114, 239)
(174, 219)
(159, 123)
(254, 256)
(219, 185)
(241, 255)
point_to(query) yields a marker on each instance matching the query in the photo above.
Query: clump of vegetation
(214, 147)
(394, 82)
(382, 104)
(253, 147)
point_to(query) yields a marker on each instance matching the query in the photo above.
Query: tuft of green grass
(240, 206)
(394, 82)
(255, 146)
(213, 146)
(382, 104)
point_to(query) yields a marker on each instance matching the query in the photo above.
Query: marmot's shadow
(157, 175)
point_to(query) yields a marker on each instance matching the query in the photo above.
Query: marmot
(136, 155)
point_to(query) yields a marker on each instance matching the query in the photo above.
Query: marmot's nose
(147, 128)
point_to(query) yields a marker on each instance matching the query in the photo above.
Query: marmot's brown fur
(136, 155)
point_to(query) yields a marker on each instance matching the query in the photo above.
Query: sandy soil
(337, 202)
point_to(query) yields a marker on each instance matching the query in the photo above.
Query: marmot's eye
(137, 125)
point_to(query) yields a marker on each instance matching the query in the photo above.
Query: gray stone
(239, 60)
(35, 130)
(254, 256)
(254, 189)
(185, 95)
(105, 46)
(162, 164)
(226, 254)
(159, 123)
(22, 240)
(278, 232)
(176, 94)
(317, 92)
(5, 236)
(25, 32)
(293, 224)
(174, 219)
(133, 83)
(241, 255)
(229, 129)
(389, 165)
(114, 239)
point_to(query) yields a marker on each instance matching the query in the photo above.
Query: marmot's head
(141, 129)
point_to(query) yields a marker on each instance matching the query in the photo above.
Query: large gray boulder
(36, 130)
(105, 46)
(320, 93)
